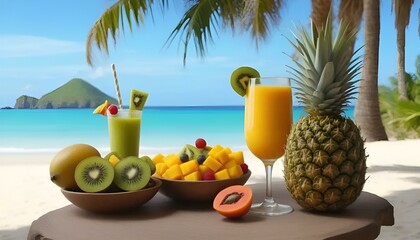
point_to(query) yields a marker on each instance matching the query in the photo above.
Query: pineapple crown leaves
(325, 68)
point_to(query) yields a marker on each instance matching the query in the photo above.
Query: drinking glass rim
(287, 79)
(126, 113)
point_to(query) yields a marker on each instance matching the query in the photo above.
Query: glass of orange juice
(268, 120)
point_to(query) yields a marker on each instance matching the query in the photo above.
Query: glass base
(270, 209)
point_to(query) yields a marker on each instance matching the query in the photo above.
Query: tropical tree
(257, 17)
(402, 19)
(367, 114)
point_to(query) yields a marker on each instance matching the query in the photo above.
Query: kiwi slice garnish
(137, 99)
(150, 162)
(94, 174)
(240, 79)
(132, 174)
(191, 151)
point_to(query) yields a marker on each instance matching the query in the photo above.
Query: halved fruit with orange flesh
(234, 201)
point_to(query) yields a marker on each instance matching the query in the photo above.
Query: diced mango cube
(189, 167)
(238, 157)
(113, 160)
(229, 164)
(161, 168)
(158, 158)
(222, 156)
(222, 174)
(174, 173)
(228, 150)
(203, 169)
(215, 150)
(194, 176)
(172, 159)
(212, 163)
(235, 172)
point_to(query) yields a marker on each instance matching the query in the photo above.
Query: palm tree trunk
(367, 112)
(402, 19)
(402, 83)
(320, 11)
(351, 12)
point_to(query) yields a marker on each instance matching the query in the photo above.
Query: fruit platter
(195, 174)
(96, 184)
(198, 173)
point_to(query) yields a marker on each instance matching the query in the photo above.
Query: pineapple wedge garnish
(101, 109)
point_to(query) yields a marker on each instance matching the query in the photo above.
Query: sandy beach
(393, 173)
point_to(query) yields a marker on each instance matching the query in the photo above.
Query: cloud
(96, 72)
(15, 46)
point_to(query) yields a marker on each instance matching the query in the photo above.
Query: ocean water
(167, 128)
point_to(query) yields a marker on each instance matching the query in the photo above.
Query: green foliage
(200, 19)
(402, 117)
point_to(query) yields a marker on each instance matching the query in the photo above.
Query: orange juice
(268, 120)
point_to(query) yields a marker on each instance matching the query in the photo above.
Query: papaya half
(234, 201)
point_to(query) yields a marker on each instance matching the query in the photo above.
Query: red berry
(244, 167)
(113, 109)
(209, 175)
(200, 143)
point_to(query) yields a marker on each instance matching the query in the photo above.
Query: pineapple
(325, 160)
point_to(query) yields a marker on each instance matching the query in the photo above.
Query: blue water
(162, 127)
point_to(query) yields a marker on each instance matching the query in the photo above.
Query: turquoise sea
(161, 128)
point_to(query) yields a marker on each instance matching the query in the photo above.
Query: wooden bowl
(198, 191)
(113, 201)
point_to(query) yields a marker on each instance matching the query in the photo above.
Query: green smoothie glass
(124, 132)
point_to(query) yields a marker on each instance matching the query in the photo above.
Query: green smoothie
(124, 132)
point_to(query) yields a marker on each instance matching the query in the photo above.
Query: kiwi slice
(93, 174)
(137, 99)
(191, 151)
(132, 173)
(240, 78)
(150, 162)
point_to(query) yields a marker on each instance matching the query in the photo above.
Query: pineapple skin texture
(325, 163)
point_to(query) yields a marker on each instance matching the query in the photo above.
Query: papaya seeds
(234, 201)
(232, 198)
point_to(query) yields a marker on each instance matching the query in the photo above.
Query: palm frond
(259, 15)
(111, 22)
(197, 23)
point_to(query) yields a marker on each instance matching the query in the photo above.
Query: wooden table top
(161, 218)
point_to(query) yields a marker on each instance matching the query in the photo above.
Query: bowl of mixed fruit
(198, 173)
(103, 184)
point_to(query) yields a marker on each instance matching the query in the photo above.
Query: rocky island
(76, 93)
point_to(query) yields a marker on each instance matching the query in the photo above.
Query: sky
(42, 46)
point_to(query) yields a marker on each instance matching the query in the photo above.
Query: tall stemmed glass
(268, 120)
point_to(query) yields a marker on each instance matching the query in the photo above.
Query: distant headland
(76, 93)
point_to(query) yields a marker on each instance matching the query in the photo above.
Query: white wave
(103, 149)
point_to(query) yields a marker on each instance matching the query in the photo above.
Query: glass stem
(268, 184)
